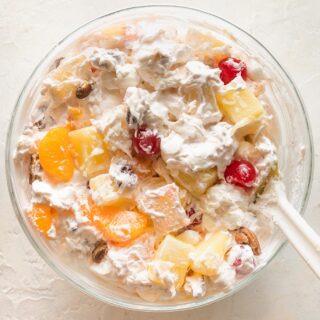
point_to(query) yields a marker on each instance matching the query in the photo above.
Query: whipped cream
(191, 147)
(242, 259)
(116, 134)
(195, 286)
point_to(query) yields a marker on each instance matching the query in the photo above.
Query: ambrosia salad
(148, 152)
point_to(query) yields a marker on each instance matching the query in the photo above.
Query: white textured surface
(29, 289)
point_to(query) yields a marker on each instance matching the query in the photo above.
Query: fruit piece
(164, 206)
(208, 48)
(209, 254)
(118, 222)
(41, 216)
(125, 226)
(78, 118)
(230, 68)
(116, 35)
(196, 183)
(145, 142)
(239, 106)
(178, 253)
(241, 173)
(190, 236)
(247, 151)
(209, 224)
(67, 69)
(64, 86)
(89, 151)
(274, 173)
(55, 155)
(105, 193)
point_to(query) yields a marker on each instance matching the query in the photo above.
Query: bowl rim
(192, 304)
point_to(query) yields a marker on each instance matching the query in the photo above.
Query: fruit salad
(148, 149)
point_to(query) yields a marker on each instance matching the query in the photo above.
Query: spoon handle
(305, 240)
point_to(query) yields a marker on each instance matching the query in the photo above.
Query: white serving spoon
(305, 240)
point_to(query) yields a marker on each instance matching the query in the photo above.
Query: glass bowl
(290, 128)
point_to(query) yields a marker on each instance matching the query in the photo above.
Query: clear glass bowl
(290, 128)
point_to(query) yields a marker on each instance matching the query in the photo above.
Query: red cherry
(146, 142)
(230, 68)
(237, 262)
(195, 218)
(241, 173)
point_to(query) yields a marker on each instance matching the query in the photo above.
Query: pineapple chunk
(208, 223)
(190, 236)
(89, 151)
(209, 254)
(176, 253)
(197, 183)
(239, 106)
(67, 69)
(105, 193)
(248, 151)
(163, 204)
(66, 78)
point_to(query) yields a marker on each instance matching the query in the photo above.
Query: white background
(29, 289)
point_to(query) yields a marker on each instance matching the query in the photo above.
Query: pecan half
(84, 90)
(99, 251)
(57, 62)
(245, 236)
(40, 124)
(35, 168)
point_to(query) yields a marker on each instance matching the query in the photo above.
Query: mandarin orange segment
(125, 226)
(116, 224)
(55, 156)
(41, 216)
(89, 151)
(119, 224)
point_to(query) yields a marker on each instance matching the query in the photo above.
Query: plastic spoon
(305, 240)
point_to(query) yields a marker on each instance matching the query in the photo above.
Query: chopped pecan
(57, 62)
(35, 168)
(84, 90)
(245, 236)
(99, 251)
(132, 121)
(126, 168)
